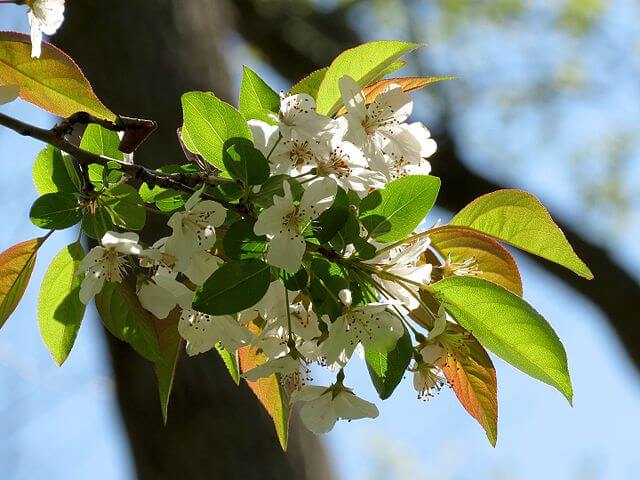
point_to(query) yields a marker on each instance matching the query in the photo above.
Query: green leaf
(387, 368)
(96, 222)
(53, 172)
(273, 187)
(209, 123)
(518, 218)
(152, 194)
(60, 310)
(472, 377)
(257, 99)
(393, 213)
(56, 211)
(494, 262)
(235, 286)
(230, 361)
(125, 206)
(508, 326)
(99, 140)
(329, 223)
(244, 162)
(170, 343)
(52, 82)
(240, 241)
(16, 267)
(125, 318)
(310, 84)
(364, 63)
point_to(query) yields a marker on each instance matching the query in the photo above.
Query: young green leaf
(310, 84)
(53, 172)
(235, 286)
(268, 390)
(240, 241)
(518, 218)
(472, 377)
(244, 162)
(16, 267)
(493, 261)
(393, 213)
(508, 326)
(209, 123)
(56, 211)
(125, 206)
(230, 361)
(387, 368)
(257, 99)
(125, 318)
(52, 82)
(60, 310)
(364, 63)
(170, 343)
(96, 221)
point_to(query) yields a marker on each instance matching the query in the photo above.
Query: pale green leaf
(53, 172)
(257, 99)
(60, 310)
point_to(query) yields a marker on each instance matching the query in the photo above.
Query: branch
(184, 182)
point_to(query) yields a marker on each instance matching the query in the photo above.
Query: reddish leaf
(268, 390)
(473, 379)
(408, 84)
(16, 266)
(493, 260)
(170, 344)
(53, 82)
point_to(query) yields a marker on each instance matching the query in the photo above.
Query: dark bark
(141, 56)
(614, 290)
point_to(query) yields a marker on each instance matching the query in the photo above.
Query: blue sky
(63, 423)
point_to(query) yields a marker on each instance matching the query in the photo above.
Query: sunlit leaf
(508, 326)
(230, 361)
(257, 99)
(16, 267)
(310, 84)
(56, 211)
(518, 218)
(54, 172)
(473, 379)
(60, 310)
(493, 261)
(364, 64)
(387, 368)
(52, 82)
(268, 390)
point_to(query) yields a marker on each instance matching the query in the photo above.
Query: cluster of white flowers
(360, 151)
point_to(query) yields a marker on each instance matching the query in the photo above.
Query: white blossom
(162, 292)
(298, 117)
(404, 262)
(285, 222)
(45, 16)
(264, 135)
(391, 146)
(202, 332)
(106, 262)
(8, 93)
(194, 228)
(372, 324)
(296, 155)
(323, 406)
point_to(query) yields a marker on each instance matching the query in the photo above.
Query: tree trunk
(141, 56)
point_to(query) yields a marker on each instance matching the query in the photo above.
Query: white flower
(264, 135)
(295, 155)
(298, 118)
(200, 267)
(427, 380)
(344, 162)
(45, 16)
(403, 262)
(371, 324)
(106, 262)
(194, 228)
(8, 93)
(162, 292)
(285, 223)
(390, 145)
(202, 332)
(325, 406)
